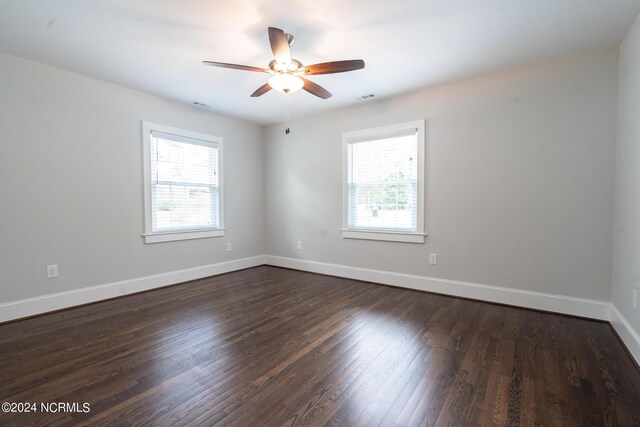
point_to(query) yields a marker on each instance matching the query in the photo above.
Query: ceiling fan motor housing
(281, 67)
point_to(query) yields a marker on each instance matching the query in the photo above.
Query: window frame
(185, 234)
(363, 135)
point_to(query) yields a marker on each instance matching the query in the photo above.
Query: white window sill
(386, 236)
(182, 235)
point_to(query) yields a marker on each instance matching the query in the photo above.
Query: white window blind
(185, 183)
(382, 182)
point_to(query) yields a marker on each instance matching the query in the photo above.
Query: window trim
(187, 234)
(354, 137)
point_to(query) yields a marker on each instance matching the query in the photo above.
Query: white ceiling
(158, 46)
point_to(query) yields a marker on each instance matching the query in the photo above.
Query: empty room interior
(282, 212)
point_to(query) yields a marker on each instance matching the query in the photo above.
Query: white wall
(626, 249)
(71, 182)
(520, 178)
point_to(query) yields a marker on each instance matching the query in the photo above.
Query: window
(383, 183)
(183, 184)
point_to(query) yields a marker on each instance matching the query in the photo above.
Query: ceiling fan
(288, 74)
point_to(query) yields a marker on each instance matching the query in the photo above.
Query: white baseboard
(627, 333)
(592, 309)
(32, 306)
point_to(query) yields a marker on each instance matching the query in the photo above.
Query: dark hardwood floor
(270, 346)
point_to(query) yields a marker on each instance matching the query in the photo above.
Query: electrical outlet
(634, 300)
(299, 245)
(229, 247)
(52, 271)
(433, 259)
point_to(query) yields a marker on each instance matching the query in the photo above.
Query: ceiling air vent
(367, 96)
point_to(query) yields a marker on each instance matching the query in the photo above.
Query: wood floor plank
(271, 346)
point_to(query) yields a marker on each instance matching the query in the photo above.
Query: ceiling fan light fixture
(286, 83)
(289, 74)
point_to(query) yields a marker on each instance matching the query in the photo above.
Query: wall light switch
(299, 244)
(634, 299)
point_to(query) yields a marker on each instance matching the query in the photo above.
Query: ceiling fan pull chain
(287, 114)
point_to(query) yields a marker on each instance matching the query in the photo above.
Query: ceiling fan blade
(235, 66)
(315, 89)
(279, 45)
(335, 67)
(261, 90)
